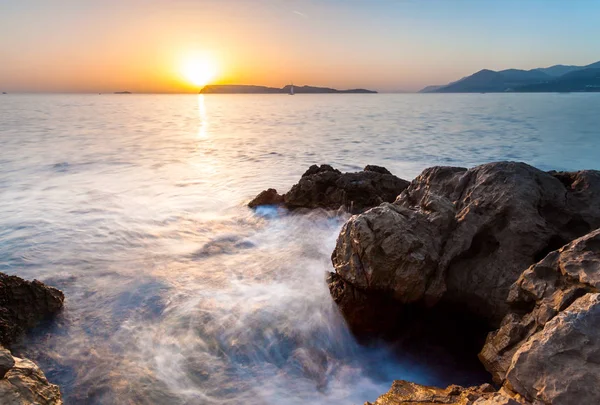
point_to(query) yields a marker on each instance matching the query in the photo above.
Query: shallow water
(133, 205)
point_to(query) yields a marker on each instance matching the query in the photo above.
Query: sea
(176, 292)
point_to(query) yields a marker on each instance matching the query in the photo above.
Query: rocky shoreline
(504, 245)
(508, 244)
(23, 304)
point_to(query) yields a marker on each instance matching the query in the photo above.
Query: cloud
(300, 14)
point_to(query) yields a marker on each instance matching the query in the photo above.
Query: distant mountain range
(558, 78)
(249, 89)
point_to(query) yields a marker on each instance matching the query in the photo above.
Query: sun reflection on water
(202, 118)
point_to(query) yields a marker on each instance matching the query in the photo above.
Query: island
(251, 89)
(122, 92)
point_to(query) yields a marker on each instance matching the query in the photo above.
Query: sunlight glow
(199, 71)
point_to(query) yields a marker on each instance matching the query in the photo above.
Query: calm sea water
(134, 206)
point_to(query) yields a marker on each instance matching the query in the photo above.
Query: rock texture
(548, 347)
(406, 393)
(23, 304)
(459, 237)
(328, 188)
(23, 383)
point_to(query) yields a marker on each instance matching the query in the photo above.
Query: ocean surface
(176, 293)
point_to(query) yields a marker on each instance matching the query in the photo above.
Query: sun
(199, 71)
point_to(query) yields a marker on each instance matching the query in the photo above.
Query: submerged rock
(406, 393)
(328, 188)
(23, 304)
(23, 383)
(548, 347)
(460, 237)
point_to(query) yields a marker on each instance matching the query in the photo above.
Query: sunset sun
(199, 71)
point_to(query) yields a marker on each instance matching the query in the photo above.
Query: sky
(385, 45)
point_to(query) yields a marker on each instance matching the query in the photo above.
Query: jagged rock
(406, 393)
(462, 237)
(328, 188)
(23, 304)
(23, 383)
(266, 197)
(548, 348)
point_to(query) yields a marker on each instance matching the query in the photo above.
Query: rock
(364, 307)
(560, 364)
(406, 393)
(24, 383)
(461, 237)
(266, 197)
(548, 347)
(372, 255)
(328, 188)
(583, 193)
(23, 304)
(6, 361)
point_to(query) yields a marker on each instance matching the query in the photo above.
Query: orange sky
(142, 45)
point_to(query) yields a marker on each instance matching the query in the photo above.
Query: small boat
(291, 93)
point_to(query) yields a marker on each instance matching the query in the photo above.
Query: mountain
(558, 70)
(540, 79)
(489, 81)
(585, 80)
(249, 89)
(518, 76)
(432, 88)
(483, 81)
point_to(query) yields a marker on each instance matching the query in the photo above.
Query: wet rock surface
(328, 188)
(460, 237)
(548, 347)
(23, 304)
(23, 383)
(406, 393)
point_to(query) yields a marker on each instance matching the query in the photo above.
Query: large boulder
(23, 383)
(23, 304)
(548, 347)
(328, 188)
(407, 393)
(460, 237)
